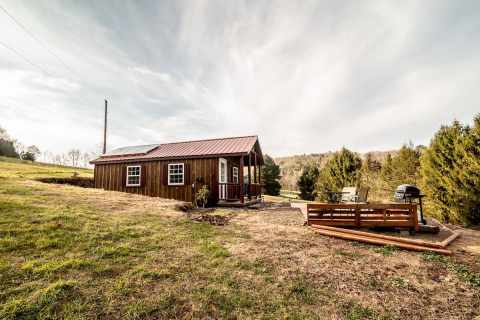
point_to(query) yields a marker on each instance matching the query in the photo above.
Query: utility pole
(105, 130)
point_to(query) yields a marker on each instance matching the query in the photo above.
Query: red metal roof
(186, 149)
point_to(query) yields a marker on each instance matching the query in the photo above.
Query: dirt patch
(216, 220)
(398, 283)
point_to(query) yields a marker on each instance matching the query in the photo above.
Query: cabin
(230, 167)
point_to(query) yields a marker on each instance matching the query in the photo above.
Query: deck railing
(363, 215)
(229, 191)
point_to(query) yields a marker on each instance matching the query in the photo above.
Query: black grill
(411, 194)
(407, 192)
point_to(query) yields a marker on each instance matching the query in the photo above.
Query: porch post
(260, 178)
(255, 167)
(249, 175)
(240, 178)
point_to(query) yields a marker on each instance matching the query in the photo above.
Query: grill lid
(405, 191)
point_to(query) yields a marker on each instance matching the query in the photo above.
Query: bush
(270, 176)
(342, 170)
(30, 154)
(202, 195)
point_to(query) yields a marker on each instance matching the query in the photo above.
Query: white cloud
(306, 77)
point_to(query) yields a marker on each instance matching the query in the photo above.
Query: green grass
(464, 273)
(386, 250)
(68, 252)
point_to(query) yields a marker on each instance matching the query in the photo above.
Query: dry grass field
(73, 253)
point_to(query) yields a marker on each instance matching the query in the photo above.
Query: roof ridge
(211, 139)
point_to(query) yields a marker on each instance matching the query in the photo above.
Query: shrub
(201, 198)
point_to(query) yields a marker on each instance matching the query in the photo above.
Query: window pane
(133, 180)
(175, 173)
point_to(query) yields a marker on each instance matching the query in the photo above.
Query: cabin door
(222, 179)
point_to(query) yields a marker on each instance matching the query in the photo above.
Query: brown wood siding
(110, 176)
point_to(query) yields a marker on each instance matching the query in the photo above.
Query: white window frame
(139, 177)
(235, 175)
(183, 174)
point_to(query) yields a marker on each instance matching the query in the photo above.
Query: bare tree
(74, 156)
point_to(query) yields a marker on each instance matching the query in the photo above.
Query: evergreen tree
(270, 176)
(306, 182)
(469, 175)
(450, 173)
(402, 168)
(341, 170)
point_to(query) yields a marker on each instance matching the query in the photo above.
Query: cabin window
(133, 176)
(176, 174)
(235, 174)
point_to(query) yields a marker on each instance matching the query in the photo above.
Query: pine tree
(441, 167)
(469, 175)
(402, 168)
(341, 170)
(306, 182)
(270, 176)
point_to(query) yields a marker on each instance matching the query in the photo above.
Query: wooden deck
(399, 215)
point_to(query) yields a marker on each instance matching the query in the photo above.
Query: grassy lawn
(73, 253)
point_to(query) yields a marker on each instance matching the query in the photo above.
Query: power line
(25, 58)
(45, 46)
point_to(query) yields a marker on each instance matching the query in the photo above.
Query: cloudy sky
(306, 76)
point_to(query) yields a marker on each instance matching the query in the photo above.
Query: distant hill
(291, 166)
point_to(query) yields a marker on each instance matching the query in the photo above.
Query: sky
(305, 76)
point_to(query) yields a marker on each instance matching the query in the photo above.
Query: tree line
(447, 171)
(10, 147)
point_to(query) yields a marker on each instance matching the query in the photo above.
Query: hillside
(291, 166)
(76, 253)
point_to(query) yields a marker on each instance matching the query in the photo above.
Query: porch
(239, 182)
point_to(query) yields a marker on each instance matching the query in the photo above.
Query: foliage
(291, 168)
(30, 154)
(270, 176)
(451, 173)
(7, 145)
(342, 170)
(7, 149)
(201, 198)
(306, 182)
(404, 167)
